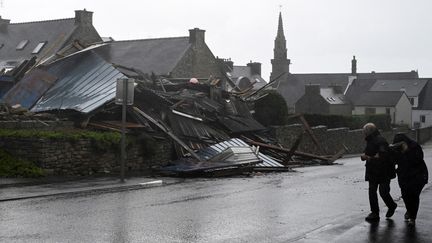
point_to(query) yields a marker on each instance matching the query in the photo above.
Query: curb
(113, 189)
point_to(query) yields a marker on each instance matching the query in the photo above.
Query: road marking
(157, 182)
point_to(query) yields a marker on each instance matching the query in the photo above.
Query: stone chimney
(4, 24)
(255, 68)
(354, 66)
(83, 17)
(196, 36)
(312, 89)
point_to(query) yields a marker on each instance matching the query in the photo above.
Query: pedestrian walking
(379, 171)
(411, 171)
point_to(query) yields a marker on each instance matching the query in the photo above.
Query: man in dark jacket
(412, 173)
(379, 171)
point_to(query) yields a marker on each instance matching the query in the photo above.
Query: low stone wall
(331, 140)
(34, 124)
(83, 156)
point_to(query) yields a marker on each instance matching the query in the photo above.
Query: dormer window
(22, 44)
(39, 47)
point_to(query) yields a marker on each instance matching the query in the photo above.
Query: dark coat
(380, 169)
(411, 167)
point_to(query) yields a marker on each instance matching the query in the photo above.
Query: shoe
(411, 222)
(406, 216)
(391, 211)
(372, 217)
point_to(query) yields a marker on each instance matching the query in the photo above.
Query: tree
(271, 109)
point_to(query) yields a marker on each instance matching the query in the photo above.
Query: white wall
(416, 117)
(403, 111)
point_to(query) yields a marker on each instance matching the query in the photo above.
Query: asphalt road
(315, 204)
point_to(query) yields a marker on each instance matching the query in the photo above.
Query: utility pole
(124, 97)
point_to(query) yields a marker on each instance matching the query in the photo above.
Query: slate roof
(341, 79)
(333, 98)
(54, 32)
(291, 88)
(358, 88)
(245, 71)
(159, 56)
(425, 98)
(379, 98)
(412, 87)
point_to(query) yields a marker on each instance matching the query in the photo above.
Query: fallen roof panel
(27, 91)
(86, 82)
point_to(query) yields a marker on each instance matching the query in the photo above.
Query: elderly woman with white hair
(379, 171)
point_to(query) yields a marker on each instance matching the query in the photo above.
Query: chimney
(312, 89)
(4, 24)
(354, 66)
(255, 68)
(196, 36)
(83, 17)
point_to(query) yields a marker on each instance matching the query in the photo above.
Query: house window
(22, 44)
(370, 111)
(39, 47)
(411, 100)
(423, 118)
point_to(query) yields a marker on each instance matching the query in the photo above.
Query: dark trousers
(411, 198)
(384, 191)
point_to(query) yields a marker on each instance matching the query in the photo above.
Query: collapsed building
(181, 92)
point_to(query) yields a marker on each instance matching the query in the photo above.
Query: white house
(394, 103)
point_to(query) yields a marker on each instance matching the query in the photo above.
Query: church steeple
(280, 62)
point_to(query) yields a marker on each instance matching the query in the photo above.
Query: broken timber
(298, 153)
(166, 130)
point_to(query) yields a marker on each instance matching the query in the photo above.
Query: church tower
(280, 62)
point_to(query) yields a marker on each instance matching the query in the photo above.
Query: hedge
(382, 121)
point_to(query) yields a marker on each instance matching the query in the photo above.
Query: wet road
(316, 204)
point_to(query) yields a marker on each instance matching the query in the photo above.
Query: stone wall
(84, 156)
(331, 140)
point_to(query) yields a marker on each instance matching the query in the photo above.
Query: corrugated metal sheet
(86, 82)
(213, 150)
(27, 91)
(195, 133)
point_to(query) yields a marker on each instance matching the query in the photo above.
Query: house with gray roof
(292, 85)
(23, 45)
(393, 103)
(173, 57)
(422, 114)
(246, 77)
(327, 100)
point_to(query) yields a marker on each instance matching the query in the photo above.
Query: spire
(280, 62)
(280, 32)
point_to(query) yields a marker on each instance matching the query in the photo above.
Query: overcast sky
(322, 35)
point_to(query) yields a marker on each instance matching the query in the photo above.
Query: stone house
(244, 77)
(319, 100)
(179, 58)
(32, 43)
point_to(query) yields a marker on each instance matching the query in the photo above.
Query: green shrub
(14, 167)
(271, 109)
(382, 121)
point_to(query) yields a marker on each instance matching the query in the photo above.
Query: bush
(271, 109)
(382, 121)
(14, 167)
